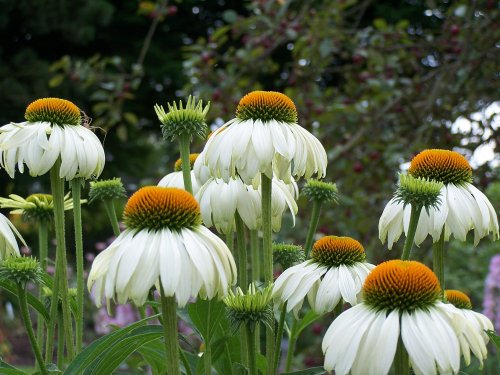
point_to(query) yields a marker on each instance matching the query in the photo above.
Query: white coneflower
(39, 207)
(219, 201)
(462, 206)
(264, 138)
(176, 179)
(53, 130)
(8, 243)
(336, 271)
(401, 301)
(472, 332)
(163, 242)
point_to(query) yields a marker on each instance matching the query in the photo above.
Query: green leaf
(56, 80)
(6, 369)
(309, 371)
(205, 316)
(153, 353)
(307, 320)
(32, 301)
(103, 345)
(495, 339)
(380, 24)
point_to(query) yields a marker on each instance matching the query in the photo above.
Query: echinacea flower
(220, 201)
(164, 242)
(472, 333)
(462, 206)
(175, 179)
(264, 138)
(8, 244)
(53, 130)
(401, 301)
(336, 271)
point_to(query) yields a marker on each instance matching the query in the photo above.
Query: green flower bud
(418, 191)
(287, 254)
(320, 191)
(21, 270)
(106, 189)
(183, 121)
(251, 308)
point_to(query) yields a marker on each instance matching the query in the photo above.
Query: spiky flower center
(458, 299)
(332, 251)
(155, 208)
(401, 285)
(441, 165)
(54, 110)
(418, 191)
(287, 254)
(20, 270)
(106, 189)
(178, 163)
(320, 191)
(266, 106)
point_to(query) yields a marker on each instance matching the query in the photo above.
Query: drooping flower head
(53, 130)
(165, 243)
(175, 179)
(472, 333)
(462, 206)
(402, 300)
(264, 138)
(336, 272)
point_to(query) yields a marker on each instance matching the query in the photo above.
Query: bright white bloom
(201, 171)
(336, 272)
(53, 131)
(401, 300)
(8, 243)
(220, 201)
(163, 243)
(463, 207)
(176, 179)
(264, 137)
(471, 328)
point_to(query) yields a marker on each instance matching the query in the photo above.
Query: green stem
(254, 249)
(312, 227)
(110, 210)
(438, 260)
(60, 342)
(241, 251)
(279, 337)
(23, 304)
(401, 361)
(186, 165)
(267, 249)
(252, 363)
(43, 249)
(291, 345)
(169, 313)
(76, 187)
(207, 355)
(185, 362)
(61, 277)
(412, 229)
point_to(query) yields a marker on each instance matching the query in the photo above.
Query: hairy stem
(316, 209)
(80, 282)
(412, 229)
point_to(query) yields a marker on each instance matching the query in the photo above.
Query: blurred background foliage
(375, 81)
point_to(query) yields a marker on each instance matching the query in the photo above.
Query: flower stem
(23, 304)
(76, 187)
(252, 364)
(186, 166)
(61, 277)
(312, 227)
(267, 249)
(412, 229)
(169, 313)
(60, 341)
(279, 336)
(207, 355)
(241, 252)
(254, 249)
(401, 362)
(43, 254)
(438, 260)
(110, 210)
(291, 345)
